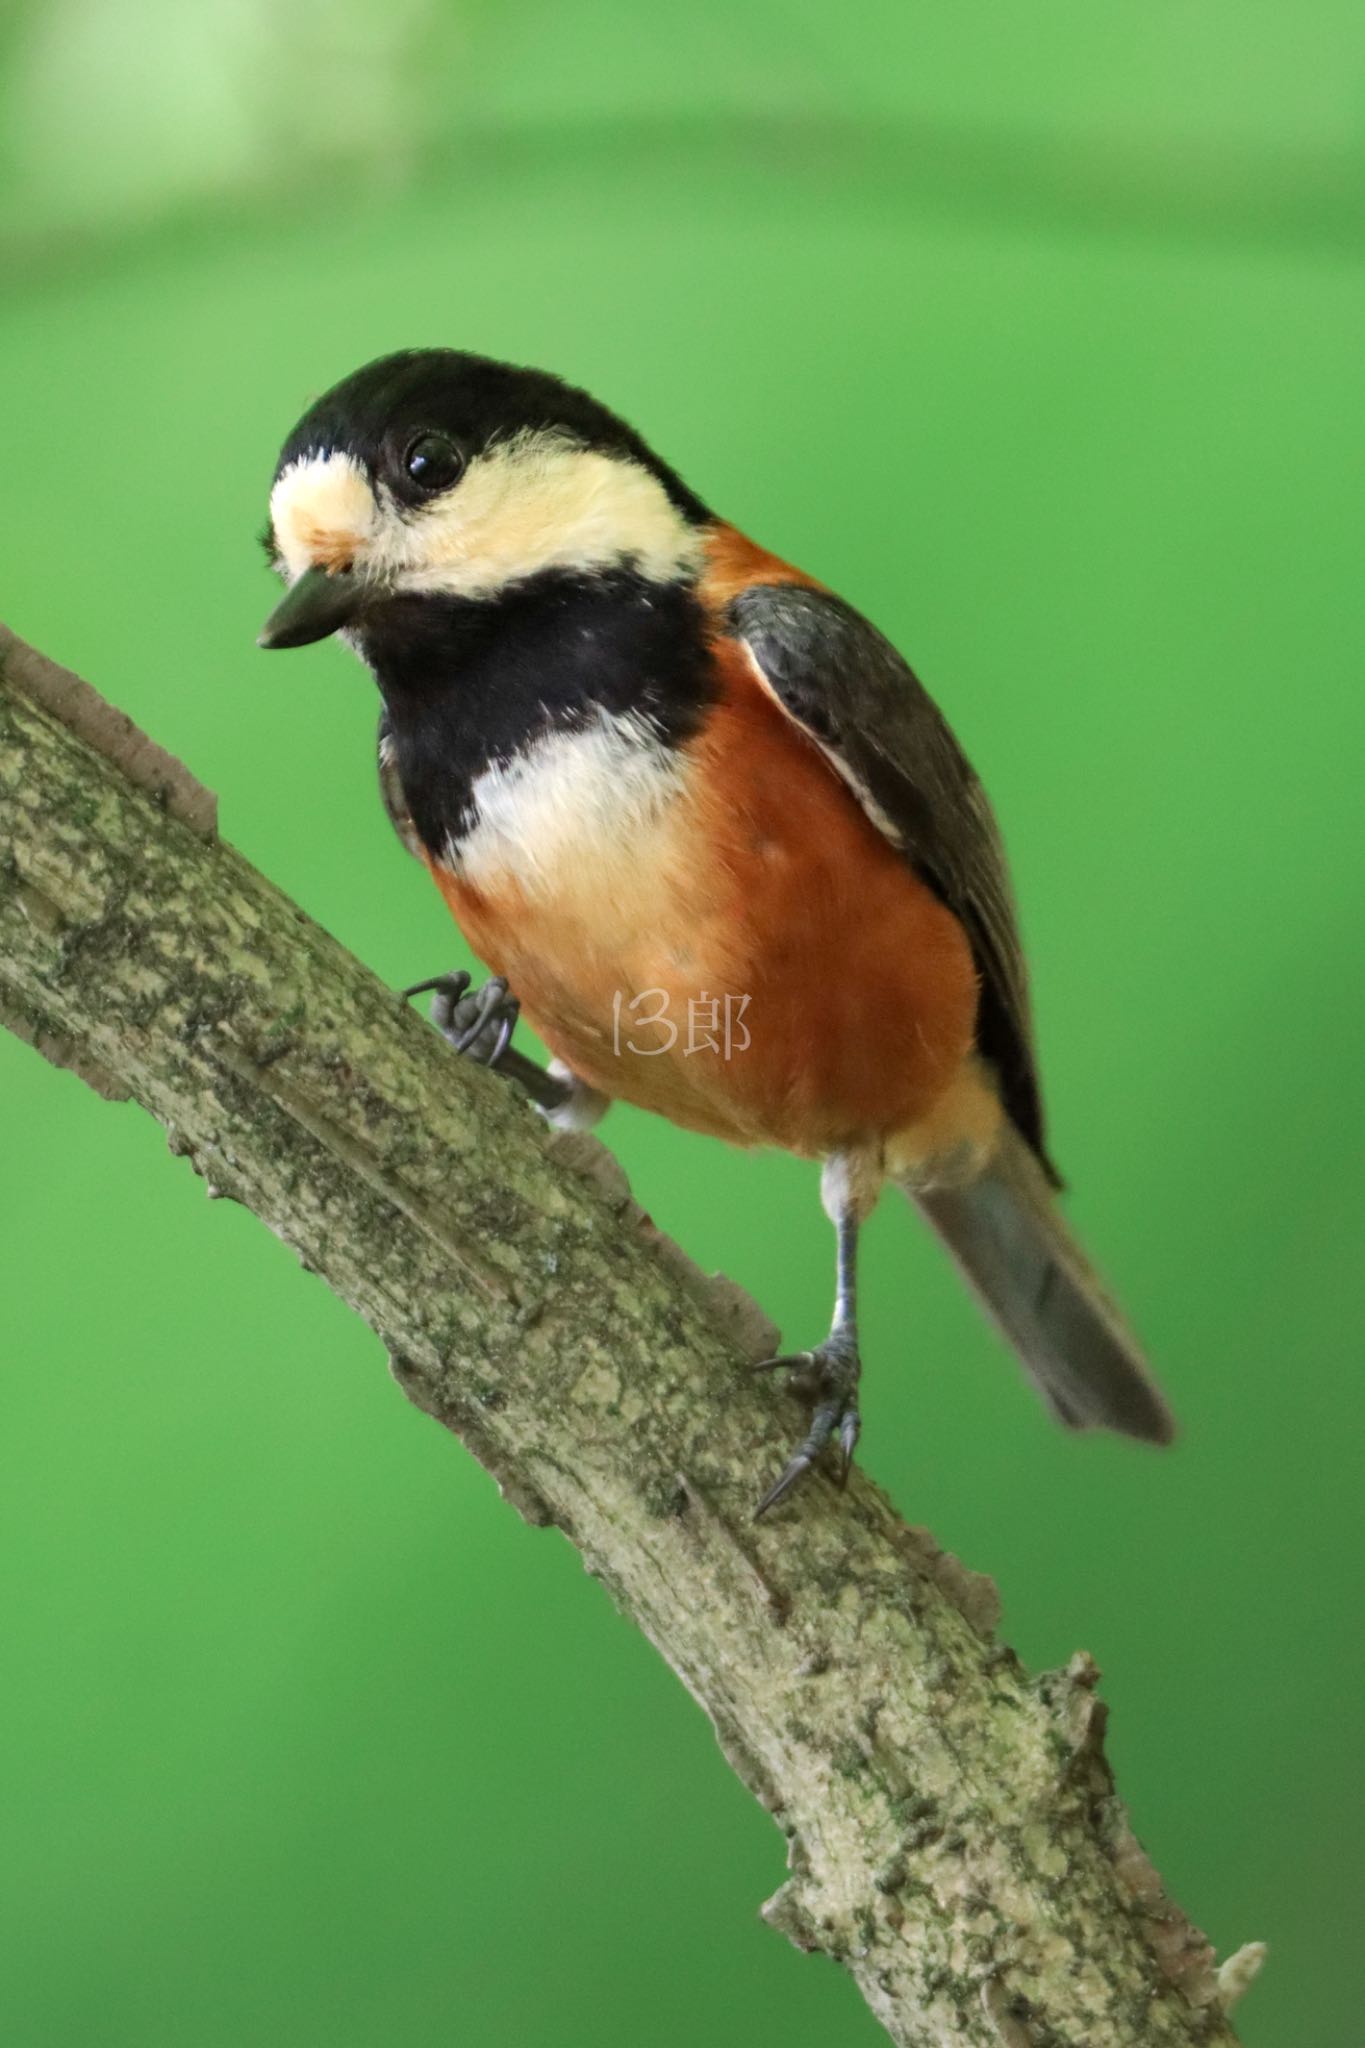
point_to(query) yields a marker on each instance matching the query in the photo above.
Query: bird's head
(444, 473)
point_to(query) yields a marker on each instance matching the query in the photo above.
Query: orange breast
(862, 985)
(765, 966)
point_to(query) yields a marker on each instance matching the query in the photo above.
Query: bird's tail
(1007, 1234)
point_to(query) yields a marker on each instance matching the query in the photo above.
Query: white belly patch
(586, 814)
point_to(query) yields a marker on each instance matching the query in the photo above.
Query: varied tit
(704, 824)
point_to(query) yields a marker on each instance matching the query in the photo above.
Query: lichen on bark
(954, 1836)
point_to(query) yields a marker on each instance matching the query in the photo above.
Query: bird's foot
(475, 1022)
(479, 1024)
(828, 1376)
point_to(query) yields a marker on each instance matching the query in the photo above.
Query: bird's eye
(432, 463)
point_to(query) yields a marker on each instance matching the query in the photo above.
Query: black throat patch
(468, 683)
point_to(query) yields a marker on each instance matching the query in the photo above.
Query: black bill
(318, 604)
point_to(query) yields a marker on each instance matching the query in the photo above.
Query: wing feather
(840, 679)
(391, 790)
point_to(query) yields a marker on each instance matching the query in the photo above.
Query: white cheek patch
(323, 513)
(537, 502)
(534, 502)
(578, 814)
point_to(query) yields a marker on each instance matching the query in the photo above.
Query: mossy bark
(954, 1834)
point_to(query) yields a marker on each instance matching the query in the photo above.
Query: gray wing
(844, 683)
(391, 791)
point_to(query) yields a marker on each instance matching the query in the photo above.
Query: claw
(849, 1432)
(463, 1019)
(492, 1012)
(449, 992)
(799, 1464)
(511, 1012)
(491, 1000)
(452, 985)
(797, 1360)
(831, 1372)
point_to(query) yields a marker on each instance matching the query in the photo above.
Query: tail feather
(1007, 1234)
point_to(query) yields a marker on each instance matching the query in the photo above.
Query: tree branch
(954, 1835)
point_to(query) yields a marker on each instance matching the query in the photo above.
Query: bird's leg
(479, 1024)
(829, 1373)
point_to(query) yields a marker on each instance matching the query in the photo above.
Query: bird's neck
(473, 684)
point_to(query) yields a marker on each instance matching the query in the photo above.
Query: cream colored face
(533, 502)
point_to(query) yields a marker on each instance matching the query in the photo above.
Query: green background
(1038, 333)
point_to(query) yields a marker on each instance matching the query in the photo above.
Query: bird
(709, 832)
